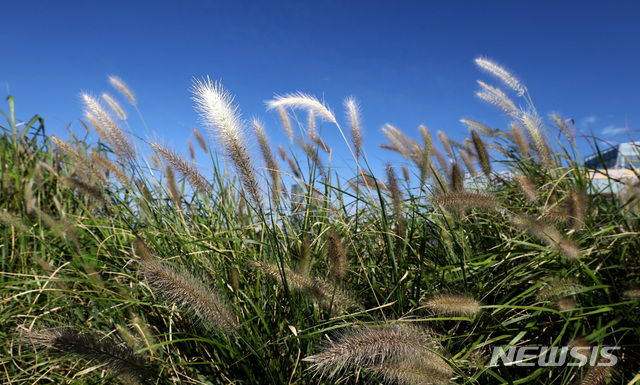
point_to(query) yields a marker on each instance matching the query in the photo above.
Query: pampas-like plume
(220, 115)
(269, 159)
(498, 98)
(286, 122)
(185, 290)
(474, 124)
(109, 166)
(302, 101)
(481, 152)
(444, 139)
(120, 86)
(461, 200)
(326, 294)
(381, 349)
(185, 168)
(576, 207)
(337, 257)
(519, 139)
(114, 106)
(118, 139)
(548, 235)
(527, 187)
(120, 359)
(533, 126)
(559, 288)
(353, 115)
(201, 141)
(502, 74)
(454, 304)
(11, 220)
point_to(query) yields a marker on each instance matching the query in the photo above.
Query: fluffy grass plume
(548, 235)
(498, 98)
(560, 288)
(269, 159)
(304, 102)
(220, 115)
(501, 73)
(454, 304)
(185, 168)
(186, 291)
(481, 153)
(378, 347)
(115, 106)
(337, 257)
(122, 87)
(462, 200)
(286, 122)
(353, 115)
(120, 359)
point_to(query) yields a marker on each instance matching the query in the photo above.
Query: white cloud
(612, 130)
(589, 120)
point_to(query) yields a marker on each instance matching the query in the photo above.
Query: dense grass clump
(119, 268)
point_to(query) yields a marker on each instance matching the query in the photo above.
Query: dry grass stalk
(186, 291)
(103, 162)
(79, 161)
(220, 115)
(337, 257)
(201, 141)
(122, 146)
(462, 200)
(559, 288)
(122, 87)
(598, 374)
(381, 350)
(475, 125)
(269, 159)
(454, 304)
(481, 153)
(120, 359)
(468, 162)
(302, 101)
(328, 296)
(519, 139)
(548, 235)
(286, 122)
(115, 107)
(444, 139)
(527, 187)
(498, 98)
(353, 115)
(576, 207)
(533, 126)
(502, 74)
(456, 177)
(185, 168)
(11, 220)
(174, 192)
(561, 124)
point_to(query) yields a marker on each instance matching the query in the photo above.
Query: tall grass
(120, 268)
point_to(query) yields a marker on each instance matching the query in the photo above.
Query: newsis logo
(555, 356)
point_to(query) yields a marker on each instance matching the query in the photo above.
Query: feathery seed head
(454, 304)
(114, 106)
(498, 98)
(353, 115)
(482, 154)
(302, 101)
(502, 74)
(120, 86)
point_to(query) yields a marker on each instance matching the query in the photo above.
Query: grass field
(125, 262)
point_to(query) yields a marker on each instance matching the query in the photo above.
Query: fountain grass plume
(269, 159)
(185, 168)
(115, 106)
(353, 115)
(302, 101)
(218, 113)
(501, 73)
(375, 347)
(122, 87)
(186, 291)
(454, 304)
(120, 359)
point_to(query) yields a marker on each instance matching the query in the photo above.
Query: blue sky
(408, 63)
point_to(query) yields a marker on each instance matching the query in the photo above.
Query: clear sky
(407, 62)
